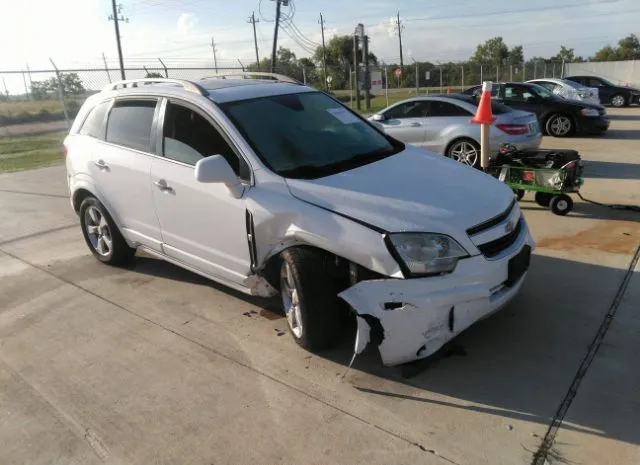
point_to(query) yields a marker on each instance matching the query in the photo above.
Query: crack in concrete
(546, 450)
(38, 234)
(227, 357)
(40, 194)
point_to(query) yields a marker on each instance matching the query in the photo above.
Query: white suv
(270, 187)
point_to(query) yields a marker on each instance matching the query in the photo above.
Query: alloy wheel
(291, 301)
(464, 152)
(98, 231)
(617, 101)
(560, 125)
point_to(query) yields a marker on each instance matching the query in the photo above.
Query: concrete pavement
(156, 365)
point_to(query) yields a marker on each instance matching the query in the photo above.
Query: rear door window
(130, 123)
(93, 125)
(443, 109)
(407, 110)
(593, 82)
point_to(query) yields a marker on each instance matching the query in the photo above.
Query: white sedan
(569, 89)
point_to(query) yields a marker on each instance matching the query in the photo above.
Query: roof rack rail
(245, 75)
(186, 85)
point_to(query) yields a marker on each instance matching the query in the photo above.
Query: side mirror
(378, 117)
(216, 169)
(530, 99)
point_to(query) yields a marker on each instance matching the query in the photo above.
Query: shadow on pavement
(628, 117)
(615, 134)
(517, 364)
(585, 210)
(611, 170)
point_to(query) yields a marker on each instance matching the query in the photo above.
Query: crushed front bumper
(418, 316)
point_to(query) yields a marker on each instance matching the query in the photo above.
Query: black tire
(543, 199)
(519, 193)
(619, 101)
(559, 125)
(119, 253)
(457, 144)
(561, 204)
(316, 290)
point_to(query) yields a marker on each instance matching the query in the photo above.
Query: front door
(202, 225)
(407, 122)
(522, 98)
(120, 168)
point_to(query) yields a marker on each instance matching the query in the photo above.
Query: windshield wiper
(307, 172)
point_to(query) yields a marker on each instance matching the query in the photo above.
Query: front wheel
(559, 126)
(466, 152)
(561, 204)
(309, 297)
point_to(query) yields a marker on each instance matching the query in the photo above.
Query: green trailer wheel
(519, 193)
(561, 204)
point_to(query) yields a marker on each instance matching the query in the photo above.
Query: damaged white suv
(270, 187)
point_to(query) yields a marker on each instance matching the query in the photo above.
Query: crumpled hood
(414, 190)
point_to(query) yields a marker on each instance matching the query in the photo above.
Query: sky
(75, 33)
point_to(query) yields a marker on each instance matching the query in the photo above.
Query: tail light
(65, 151)
(513, 129)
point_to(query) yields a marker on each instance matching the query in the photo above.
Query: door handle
(101, 165)
(415, 125)
(163, 186)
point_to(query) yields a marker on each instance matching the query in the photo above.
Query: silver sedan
(441, 124)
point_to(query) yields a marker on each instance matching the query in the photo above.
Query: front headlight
(589, 112)
(426, 253)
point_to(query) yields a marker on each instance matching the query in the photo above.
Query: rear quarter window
(94, 123)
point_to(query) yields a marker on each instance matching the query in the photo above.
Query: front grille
(495, 247)
(490, 223)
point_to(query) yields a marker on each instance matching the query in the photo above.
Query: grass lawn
(19, 153)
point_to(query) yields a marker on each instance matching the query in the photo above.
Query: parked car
(277, 188)
(557, 116)
(442, 125)
(610, 94)
(569, 89)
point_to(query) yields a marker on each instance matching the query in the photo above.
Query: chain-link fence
(50, 94)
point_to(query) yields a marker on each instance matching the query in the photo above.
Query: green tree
(606, 53)
(516, 55)
(339, 57)
(629, 48)
(493, 51)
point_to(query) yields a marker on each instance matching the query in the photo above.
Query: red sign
(398, 72)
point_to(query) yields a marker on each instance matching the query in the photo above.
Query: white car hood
(414, 190)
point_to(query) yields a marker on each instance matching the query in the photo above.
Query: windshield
(308, 135)
(543, 92)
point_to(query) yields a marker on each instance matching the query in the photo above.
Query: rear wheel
(618, 101)
(543, 199)
(465, 151)
(561, 204)
(559, 126)
(309, 297)
(102, 235)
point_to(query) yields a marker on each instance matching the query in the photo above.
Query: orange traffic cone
(484, 115)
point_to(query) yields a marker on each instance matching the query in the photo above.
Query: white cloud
(187, 22)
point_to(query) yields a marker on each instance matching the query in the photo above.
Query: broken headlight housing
(424, 254)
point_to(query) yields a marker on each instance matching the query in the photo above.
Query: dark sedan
(558, 117)
(610, 94)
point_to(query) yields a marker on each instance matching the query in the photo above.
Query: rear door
(407, 122)
(445, 121)
(605, 92)
(121, 168)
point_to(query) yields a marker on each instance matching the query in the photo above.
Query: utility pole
(324, 57)
(275, 32)
(253, 21)
(215, 60)
(355, 67)
(417, 77)
(367, 77)
(117, 10)
(106, 68)
(399, 26)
